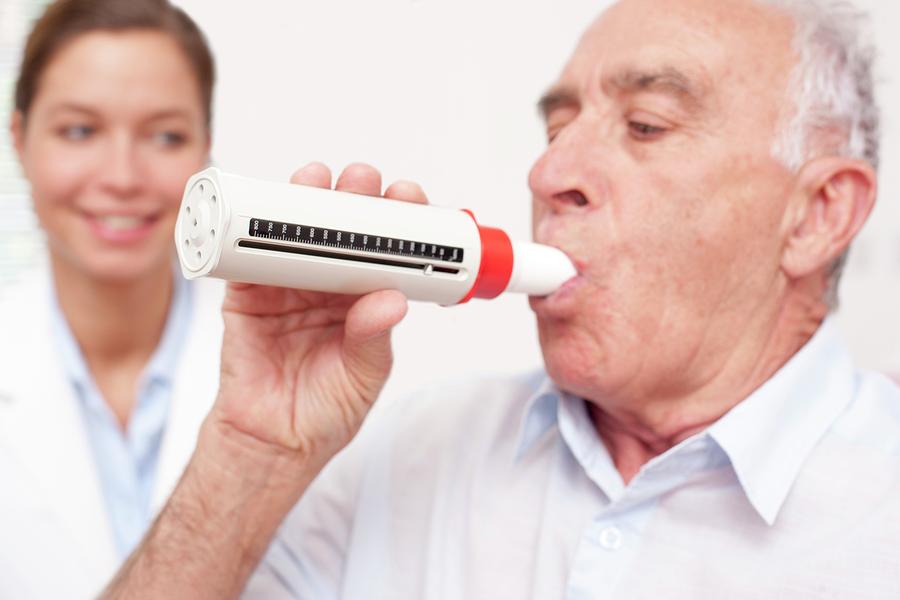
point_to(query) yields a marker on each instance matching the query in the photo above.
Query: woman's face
(116, 127)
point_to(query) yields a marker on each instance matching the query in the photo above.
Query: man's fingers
(367, 333)
(360, 178)
(314, 174)
(407, 191)
(374, 314)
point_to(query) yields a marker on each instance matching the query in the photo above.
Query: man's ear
(833, 197)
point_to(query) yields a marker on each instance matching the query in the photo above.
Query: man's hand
(300, 371)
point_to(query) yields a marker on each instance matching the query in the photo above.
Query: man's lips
(569, 285)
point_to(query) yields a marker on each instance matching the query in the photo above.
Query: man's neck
(634, 436)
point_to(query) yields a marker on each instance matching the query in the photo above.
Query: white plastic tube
(288, 235)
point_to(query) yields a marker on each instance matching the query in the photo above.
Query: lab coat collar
(41, 423)
(195, 382)
(43, 429)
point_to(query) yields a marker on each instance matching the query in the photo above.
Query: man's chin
(570, 359)
(572, 379)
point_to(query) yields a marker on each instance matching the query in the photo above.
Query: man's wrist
(247, 484)
(226, 456)
(219, 520)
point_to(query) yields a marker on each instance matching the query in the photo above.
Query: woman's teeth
(121, 223)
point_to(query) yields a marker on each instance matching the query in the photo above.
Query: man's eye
(644, 131)
(77, 133)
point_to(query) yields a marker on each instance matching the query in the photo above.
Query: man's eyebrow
(688, 91)
(556, 97)
(667, 80)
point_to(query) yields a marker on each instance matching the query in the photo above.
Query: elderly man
(700, 431)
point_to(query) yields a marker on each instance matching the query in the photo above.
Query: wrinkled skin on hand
(301, 369)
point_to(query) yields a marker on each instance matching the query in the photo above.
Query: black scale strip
(352, 240)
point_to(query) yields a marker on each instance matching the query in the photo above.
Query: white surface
(436, 91)
(870, 319)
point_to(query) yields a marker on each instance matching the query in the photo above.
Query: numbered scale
(309, 235)
(287, 235)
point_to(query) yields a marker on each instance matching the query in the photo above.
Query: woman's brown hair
(65, 20)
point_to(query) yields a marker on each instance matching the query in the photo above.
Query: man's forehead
(685, 47)
(689, 87)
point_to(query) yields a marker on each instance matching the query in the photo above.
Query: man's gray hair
(832, 92)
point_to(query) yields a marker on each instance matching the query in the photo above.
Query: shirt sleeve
(307, 556)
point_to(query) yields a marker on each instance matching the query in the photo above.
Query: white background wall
(443, 92)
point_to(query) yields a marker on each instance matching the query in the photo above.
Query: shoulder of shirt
(872, 419)
(23, 293)
(454, 422)
(24, 312)
(474, 412)
(207, 297)
(479, 394)
(208, 291)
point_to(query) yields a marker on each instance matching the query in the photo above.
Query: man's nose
(564, 178)
(121, 175)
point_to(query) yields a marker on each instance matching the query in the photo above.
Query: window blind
(20, 239)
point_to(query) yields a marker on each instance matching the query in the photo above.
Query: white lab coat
(55, 536)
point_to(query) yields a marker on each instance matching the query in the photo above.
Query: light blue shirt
(126, 461)
(502, 488)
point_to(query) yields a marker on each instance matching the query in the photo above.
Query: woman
(107, 360)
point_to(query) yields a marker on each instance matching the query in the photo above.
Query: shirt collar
(768, 436)
(539, 417)
(70, 354)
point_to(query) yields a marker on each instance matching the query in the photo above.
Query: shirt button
(611, 538)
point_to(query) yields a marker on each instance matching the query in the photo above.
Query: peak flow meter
(288, 235)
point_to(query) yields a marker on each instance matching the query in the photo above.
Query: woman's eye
(77, 133)
(169, 138)
(645, 131)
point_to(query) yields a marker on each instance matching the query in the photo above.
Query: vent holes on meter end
(197, 224)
